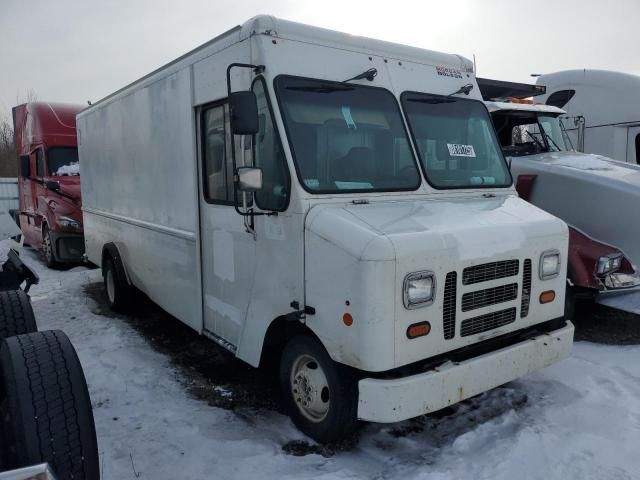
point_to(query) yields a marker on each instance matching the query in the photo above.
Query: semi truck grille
(526, 288)
(487, 322)
(490, 271)
(449, 305)
(490, 296)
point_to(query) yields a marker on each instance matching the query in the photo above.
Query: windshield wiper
(542, 147)
(548, 137)
(368, 75)
(466, 89)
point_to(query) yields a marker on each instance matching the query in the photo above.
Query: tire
(16, 314)
(47, 249)
(45, 407)
(570, 303)
(119, 292)
(331, 413)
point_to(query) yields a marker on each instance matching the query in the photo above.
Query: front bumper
(386, 401)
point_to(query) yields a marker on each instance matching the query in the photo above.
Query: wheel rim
(310, 388)
(111, 285)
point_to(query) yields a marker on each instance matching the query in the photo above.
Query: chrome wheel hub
(310, 388)
(111, 287)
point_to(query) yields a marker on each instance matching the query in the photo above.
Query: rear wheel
(45, 409)
(321, 396)
(16, 314)
(119, 292)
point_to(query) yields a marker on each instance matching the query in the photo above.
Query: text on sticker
(459, 150)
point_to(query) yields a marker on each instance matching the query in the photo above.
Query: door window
(217, 162)
(637, 142)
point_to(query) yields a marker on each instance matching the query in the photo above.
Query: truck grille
(489, 296)
(449, 306)
(487, 322)
(490, 271)
(526, 288)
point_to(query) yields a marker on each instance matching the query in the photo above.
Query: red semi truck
(50, 212)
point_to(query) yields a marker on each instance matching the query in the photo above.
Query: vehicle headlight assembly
(66, 222)
(419, 289)
(609, 263)
(549, 265)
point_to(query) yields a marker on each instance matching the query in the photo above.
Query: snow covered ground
(576, 420)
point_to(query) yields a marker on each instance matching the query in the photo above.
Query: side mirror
(24, 166)
(53, 186)
(249, 179)
(243, 108)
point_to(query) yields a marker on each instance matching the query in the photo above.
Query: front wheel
(47, 249)
(321, 396)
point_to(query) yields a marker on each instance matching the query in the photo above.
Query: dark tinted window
(560, 98)
(39, 164)
(63, 161)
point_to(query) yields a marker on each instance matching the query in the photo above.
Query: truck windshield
(346, 138)
(524, 133)
(63, 161)
(455, 141)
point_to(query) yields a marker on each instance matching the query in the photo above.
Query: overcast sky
(79, 50)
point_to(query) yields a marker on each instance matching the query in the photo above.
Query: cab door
(227, 248)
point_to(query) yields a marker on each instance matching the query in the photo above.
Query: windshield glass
(346, 138)
(63, 161)
(455, 141)
(524, 133)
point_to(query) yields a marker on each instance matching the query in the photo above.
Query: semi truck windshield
(346, 138)
(63, 161)
(524, 133)
(455, 141)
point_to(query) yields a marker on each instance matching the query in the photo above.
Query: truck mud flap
(625, 301)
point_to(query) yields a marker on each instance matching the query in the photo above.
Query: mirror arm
(257, 69)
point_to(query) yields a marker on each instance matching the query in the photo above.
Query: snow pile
(71, 169)
(576, 420)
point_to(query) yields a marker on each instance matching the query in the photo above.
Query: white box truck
(337, 201)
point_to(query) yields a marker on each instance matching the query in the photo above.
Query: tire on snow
(337, 418)
(45, 409)
(16, 314)
(119, 293)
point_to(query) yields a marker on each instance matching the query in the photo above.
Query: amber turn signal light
(347, 319)
(548, 296)
(418, 330)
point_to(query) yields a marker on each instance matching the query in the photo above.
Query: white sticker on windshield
(459, 150)
(346, 113)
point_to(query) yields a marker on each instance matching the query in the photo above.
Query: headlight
(549, 265)
(609, 263)
(67, 222)
(419, 289)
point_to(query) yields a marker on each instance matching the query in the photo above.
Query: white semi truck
(602, 110)
(339, 202)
